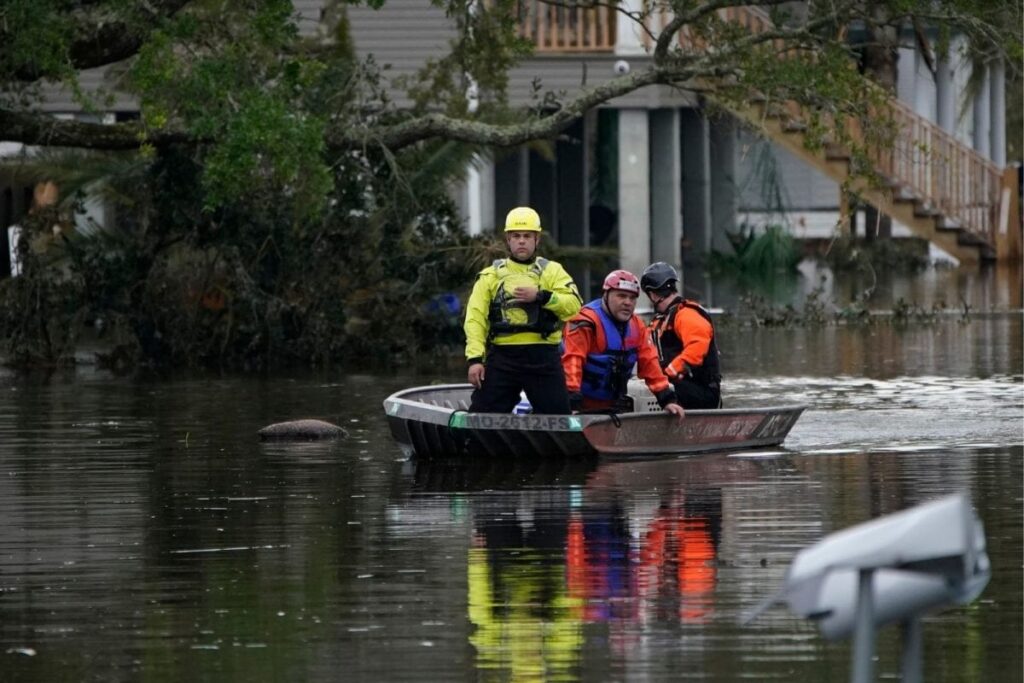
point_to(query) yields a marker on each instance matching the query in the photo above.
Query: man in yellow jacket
(514, 323)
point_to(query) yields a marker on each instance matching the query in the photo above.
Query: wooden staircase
(939, 188)
(952, 200)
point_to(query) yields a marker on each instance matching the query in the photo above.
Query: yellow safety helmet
(522, 219)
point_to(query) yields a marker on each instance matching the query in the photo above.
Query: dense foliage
(252, 284)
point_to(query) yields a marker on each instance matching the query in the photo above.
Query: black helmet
(658, 276)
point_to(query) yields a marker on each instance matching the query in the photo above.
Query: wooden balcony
(566, 30)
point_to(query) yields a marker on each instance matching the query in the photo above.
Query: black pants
(694, 396)
(533, 368)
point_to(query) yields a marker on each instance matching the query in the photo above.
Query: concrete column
(724, 201)
(982, 114)
(480, 196)
(666, 186)
(963, 107)
(906, 77)
(487, 195)
(944, 99)
(924, 90)
(696, 184)
(634, 190)
(997, 105)
(629, 35)
(469, 201)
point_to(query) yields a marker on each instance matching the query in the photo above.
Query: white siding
(60, 99)
(401, 36)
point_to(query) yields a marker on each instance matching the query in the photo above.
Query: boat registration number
(525, 422)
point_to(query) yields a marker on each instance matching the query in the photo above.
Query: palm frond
(447, 161)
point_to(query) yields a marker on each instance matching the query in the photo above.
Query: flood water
(145, 533)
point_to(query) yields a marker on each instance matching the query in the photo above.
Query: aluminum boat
(432, 421)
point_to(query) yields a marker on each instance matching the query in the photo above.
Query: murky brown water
(146, 533)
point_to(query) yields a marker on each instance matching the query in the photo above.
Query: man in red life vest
(684, 336)
(603, 342)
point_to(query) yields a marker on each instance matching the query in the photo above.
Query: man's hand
(676, 410)
(526, 295)
(476, 374)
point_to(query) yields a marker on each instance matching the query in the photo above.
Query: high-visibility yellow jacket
(489, 319)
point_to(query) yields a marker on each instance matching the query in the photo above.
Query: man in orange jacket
(603, 342)
(684, 336)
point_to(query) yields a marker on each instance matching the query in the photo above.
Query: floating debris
(302, 430)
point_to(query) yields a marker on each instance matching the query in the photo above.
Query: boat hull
(432, 421)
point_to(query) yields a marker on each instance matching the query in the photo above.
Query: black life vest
(534, 317)
(670, 345)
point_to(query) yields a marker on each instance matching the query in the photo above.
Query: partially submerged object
(432, 421)
(302, 430)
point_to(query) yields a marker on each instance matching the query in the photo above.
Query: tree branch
(402, 134)
(38, 128)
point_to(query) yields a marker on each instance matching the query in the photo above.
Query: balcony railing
(753, 19)
(557, 29)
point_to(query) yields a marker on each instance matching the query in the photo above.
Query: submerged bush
(772, 251)
(905, 255)
(42, 309)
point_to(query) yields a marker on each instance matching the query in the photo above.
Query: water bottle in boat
(523, 407)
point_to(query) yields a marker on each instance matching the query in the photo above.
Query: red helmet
(622, 279)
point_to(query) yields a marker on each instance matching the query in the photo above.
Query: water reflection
(621, 560)
(630, 548)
